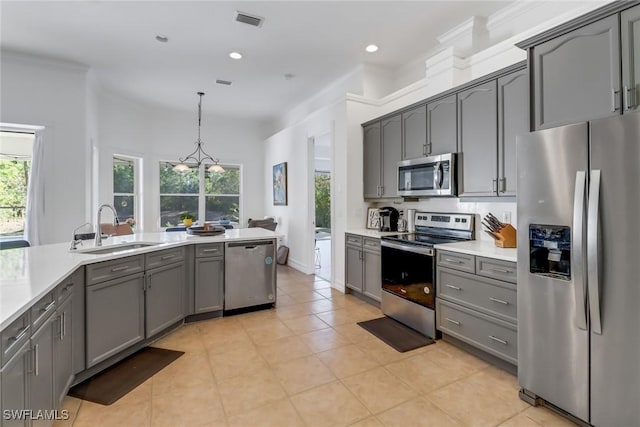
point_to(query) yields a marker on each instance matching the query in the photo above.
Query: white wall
(53, 94)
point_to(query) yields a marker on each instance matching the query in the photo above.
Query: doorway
(322, 207)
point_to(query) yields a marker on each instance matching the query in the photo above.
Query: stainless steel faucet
(98, 228)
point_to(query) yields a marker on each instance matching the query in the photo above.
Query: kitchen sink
(112, 249)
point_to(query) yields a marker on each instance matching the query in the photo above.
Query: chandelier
(199, 155)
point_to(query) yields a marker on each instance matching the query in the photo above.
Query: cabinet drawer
(353, 240)
(491, 335)
(209, 249)
(14, 335)
(371, 245)
(64, 291)
(496, 269)
(109, 270)
(43, 309)
(457, 261)
(160, 258)
(495, 298)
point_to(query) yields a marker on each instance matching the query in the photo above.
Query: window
(213, 196)
(124, 187)
(16, 149)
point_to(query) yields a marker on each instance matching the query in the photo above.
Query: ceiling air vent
(245, 18)
(224, 82)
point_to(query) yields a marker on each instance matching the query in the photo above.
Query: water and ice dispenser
(550, 251)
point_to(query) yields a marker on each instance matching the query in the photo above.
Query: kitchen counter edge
(480, 248)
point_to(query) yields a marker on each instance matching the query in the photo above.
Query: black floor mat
(114, 382)
(394, 333)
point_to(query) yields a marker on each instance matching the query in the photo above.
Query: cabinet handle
(455, 322)
(36, 363)
(494, 185)
(454, 287)
(503, 184)
(499, 270)
(455, 261)
(429, 147)
(116, 269)
(66, 288)
(48, 307)
(61, 321)
(167, 257)
(496, 339)
(613, 100)
(21, 333)
(424, 149)
(499, 301)
(629, 98)
(210, 250)
(64, 323)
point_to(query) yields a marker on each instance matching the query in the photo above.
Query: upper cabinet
(414, 137)
(442, 129)
(576, 68)
(382, 146)
(372, 144)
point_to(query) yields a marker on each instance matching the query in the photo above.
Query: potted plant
(187, 219)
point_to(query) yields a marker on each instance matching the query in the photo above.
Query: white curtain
(35, 193)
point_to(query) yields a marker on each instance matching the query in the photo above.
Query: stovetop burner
(436, 228)
(420, 239)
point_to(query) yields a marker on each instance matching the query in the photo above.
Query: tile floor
(307, 363)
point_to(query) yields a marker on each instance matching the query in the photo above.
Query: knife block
(505, 237)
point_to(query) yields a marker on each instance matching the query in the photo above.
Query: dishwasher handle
(250, 245)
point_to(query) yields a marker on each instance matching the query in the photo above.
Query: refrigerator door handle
(578, 250)
(593, 252)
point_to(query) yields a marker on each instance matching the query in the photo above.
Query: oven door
(408, 272)
(429, 176)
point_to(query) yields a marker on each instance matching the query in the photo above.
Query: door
(372, 283)
(209, 279)
(513, 120)
(165, 287)
(414, 133)
(442, 126)
(630, 32)
(372, 170)
(577, 75)
(391, 154)
(353, 267)
(615, 348)
(477, 109)
(63, 348)
(553, 352)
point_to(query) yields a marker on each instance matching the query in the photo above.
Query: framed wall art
(280, 184)
(373, 218)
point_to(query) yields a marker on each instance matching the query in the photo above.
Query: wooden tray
(214, 230)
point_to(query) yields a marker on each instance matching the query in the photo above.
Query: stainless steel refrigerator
(579, 269)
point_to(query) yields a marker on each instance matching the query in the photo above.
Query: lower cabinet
(15, 382)
(477, 303)
(209, 278)
(114, 316)
(363, 265)
(63, 350)
(164, 291)
(41, 378)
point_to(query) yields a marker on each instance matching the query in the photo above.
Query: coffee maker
(388, 219)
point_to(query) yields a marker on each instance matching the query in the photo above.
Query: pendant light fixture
(202, 155)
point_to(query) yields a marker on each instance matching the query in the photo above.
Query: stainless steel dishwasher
(249, 274)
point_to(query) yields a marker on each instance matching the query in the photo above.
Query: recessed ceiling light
(235, 55)
(371, 48)
(162, 39)
(289, 76)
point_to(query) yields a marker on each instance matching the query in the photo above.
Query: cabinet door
(41, 378)
(14, 385)
(78, 324)
(63, 350)
(414, 133)
(630, 30)
(372, 282)
(372, 152)
(477, 111)
(209, 284)
(391, 155)
(577, 75)
(442, 126)
(164, 291)
(353, 267)
(115, 317)
(513, 120)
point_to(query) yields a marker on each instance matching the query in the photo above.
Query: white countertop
(367, 232)
(27, 274)
(481, 248)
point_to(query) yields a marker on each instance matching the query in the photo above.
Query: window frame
(137, 186)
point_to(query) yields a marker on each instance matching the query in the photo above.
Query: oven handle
(407, 248)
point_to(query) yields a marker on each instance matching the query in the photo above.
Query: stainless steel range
(408, 267)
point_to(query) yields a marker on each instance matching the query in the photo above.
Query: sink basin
(115, 248)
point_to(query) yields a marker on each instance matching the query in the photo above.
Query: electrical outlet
(506, 217)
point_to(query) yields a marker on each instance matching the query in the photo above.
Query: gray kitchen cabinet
(363, 265)
(477, 138)
(630, 32)
(63, 349)
(209, 278)
(442, 129)
(414, 133)
(372, 157)
(15, 385)
(513, 120)
(114, 316)
(78, 324)
(164, 289)
(391, 129)
(576, 76)
(41, 377)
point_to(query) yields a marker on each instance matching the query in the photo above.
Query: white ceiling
(317, 41)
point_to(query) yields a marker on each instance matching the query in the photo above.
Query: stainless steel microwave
(428, 176)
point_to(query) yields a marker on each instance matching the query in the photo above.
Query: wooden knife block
(506, 237)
